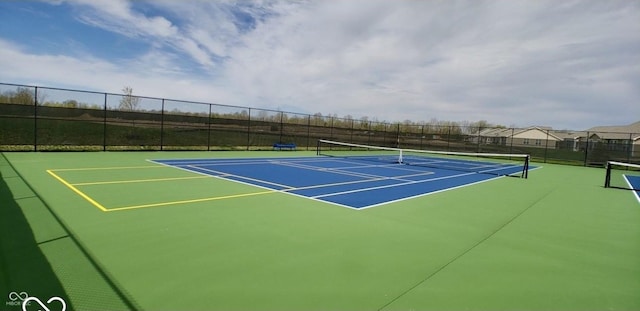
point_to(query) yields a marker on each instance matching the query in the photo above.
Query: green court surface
(114, 231)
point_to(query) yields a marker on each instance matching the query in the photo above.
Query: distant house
(536, 137)
(616, 138)
(622, 140)
(492, 136)
(570, 140)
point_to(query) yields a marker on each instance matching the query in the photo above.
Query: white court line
(391, 186)
(289, 189)
(368, 177)
(425, 194)
(226, 162)
(329, 170)
(225, 175)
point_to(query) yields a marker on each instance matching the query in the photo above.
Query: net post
(526, 166)
(318, 147)
(607, 177)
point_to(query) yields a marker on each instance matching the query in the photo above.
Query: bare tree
(128, 101)
(23, 96)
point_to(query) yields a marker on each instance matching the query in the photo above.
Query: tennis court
(298, 231)
(350, 182)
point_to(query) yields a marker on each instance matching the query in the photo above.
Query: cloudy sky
(565, 64)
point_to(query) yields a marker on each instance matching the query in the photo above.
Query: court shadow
(24, 268)
(41, 258)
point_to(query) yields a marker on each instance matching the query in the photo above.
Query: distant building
(537, 137)
(616, 138)
(620, 139)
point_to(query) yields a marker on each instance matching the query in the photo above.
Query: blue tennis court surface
(634, 183)
(352, 183)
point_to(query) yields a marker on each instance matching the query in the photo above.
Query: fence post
(384, 134)
(513, 133)
(281, 127)
(480, 130)
(308, 131)
(331, 129)
(421, 136)
(248, 128)
(398, 136)
(104, 125)
(630, 148)
(448, 136)
(209, 128)
(546, 147)
(35, 119)
(586, 150)
(162, 126)
(351, 135)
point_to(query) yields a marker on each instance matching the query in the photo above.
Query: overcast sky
(565, 64)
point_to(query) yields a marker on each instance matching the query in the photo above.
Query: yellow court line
(190, 201)
(106, 168)
(86, 197)
(137, 181)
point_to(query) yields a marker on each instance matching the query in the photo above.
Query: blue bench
(280, 146)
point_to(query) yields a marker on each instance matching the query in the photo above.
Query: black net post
(607, 178)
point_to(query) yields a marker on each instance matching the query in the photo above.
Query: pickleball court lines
(323, 180)
(104, 208)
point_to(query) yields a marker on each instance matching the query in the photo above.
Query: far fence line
(34, 118)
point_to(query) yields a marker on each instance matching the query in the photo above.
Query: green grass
(555, 241)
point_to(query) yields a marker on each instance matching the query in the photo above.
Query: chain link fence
(51, 119)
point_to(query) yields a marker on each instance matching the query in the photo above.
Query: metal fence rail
(36, 118)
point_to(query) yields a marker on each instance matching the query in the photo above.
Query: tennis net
(622, 175)
(516, 165)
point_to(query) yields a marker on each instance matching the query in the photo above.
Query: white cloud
(92, 74)
(425, 59)
(566, 64)
(117, 15)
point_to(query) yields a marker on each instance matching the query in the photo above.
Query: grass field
(555, 241)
